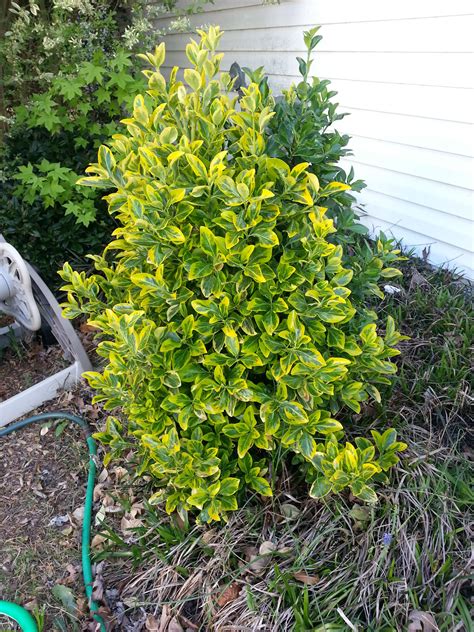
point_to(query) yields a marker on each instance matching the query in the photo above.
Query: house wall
(404, 71)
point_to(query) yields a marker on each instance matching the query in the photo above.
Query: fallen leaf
(362, 514)
(267, 548)
(86, 328)
(260, 559)
(97, 541)
(98, 585)
(419, 621)
(82, 608)
(136, 509)
(179, 521)
(119, 473)
(290, 511)
(100, 516)
(73, 574)
(418, 280)
(302, 577)
(165, 618)
(128, 524)
(31, 605)
(103, 476)
(78, 514)
(230, 594)
(208, 536)
(175, 626)
(108, 501)
(98, 492)
(132, 602)
(152, 624)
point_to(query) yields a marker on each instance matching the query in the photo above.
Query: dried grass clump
(294, 565)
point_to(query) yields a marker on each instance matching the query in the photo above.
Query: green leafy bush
(303, 130)
(225, 314)
(46, 236)
(38, 40)
(52, 140)
(85, 108)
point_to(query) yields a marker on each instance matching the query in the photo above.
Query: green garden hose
(16, 612)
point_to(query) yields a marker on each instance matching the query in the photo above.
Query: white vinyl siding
(404, 71)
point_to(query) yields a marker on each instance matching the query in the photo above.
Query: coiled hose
(16, 612)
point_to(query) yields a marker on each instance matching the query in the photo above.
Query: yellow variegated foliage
(224, 313)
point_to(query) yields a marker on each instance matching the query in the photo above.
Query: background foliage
(66, 84)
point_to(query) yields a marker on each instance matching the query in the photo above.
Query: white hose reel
(26, 298)
(16, 294)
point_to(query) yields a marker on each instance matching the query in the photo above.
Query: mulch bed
(24, 364)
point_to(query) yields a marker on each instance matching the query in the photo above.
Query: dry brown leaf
(128, 523)
(152, 624)
(418, 280)
(98, 587)
(260, 559)
(108, 501)
(31, 605)
(164, 619)
(98, 492)
(86, 328)
(136, 509)
(119, 473)
(78, 514)
(97, 541)
(208, 536)
(179, 521)
(267, 548)
(419, 621)
(103, 476)
(302, 577)
(175, 626)
(250, 552)
(73, 574)
(230, 594)
(82, 607)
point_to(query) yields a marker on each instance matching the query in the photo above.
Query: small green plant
(225, 314)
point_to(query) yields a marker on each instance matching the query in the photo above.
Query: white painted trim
(38, 394)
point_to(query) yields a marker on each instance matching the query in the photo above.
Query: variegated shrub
(224, 313)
